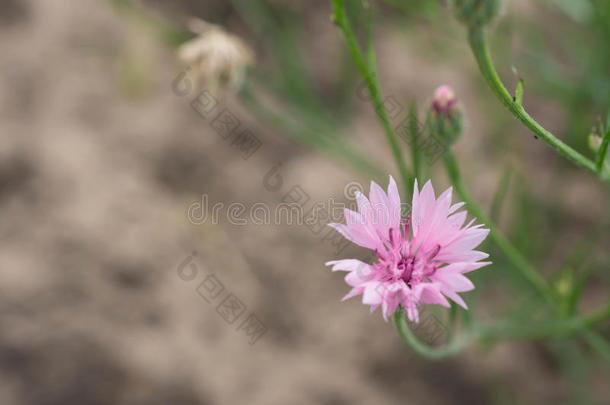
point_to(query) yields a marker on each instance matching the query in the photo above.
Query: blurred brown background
(99, 162)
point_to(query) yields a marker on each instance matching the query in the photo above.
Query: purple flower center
(406, 265)
(398, 261)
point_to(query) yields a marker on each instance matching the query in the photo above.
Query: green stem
(500, 195)
(515, 257)
(478, 44)
(316, 138)
(502, 330)
(414, 134)
(370, 79)
(597, 342)
(603, 149)
(452, 348)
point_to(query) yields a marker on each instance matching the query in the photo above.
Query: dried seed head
(219, 59)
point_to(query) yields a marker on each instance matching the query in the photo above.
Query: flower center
(410, 268)
(405, 266)
(399, 261)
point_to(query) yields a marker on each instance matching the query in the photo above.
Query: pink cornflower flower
(420, 260)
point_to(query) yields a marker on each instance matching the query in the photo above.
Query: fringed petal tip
(349, 295)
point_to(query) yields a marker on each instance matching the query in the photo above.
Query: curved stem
(478, 44)
(452, 348)
(370, 80)
(515, 257)
(500, 330)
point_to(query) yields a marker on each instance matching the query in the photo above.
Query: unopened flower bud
(444, 118)
(444, 100)
(595, 142)
(476, 13)
(564, 284)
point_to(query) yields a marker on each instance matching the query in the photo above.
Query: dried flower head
(419, 260)
(219, 58)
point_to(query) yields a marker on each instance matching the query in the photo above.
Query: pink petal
(461, 267)
(379, 206)
(356, 235)
(347, 265)
(353, 292)
(394, 203)
(353, 218)
(364, 207)
(456, 207)
(415, 208)
(371, 294)
(467, 256)
(444, 201)
(471, 239)
(388, 306)
(455, 297)
(356, 278)
(455, 281)
(356, 221)
(413, 313)
(455, 221)
(430, 293)
(423, 204)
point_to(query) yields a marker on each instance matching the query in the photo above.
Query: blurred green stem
(603, 150)
(502, 330)
(317, 138)
(370, 79)
(597, 342)
(453, 347)
(478, 44)
(414, 134)
(515, 257)
(496, 206)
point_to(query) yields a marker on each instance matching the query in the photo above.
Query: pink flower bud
(444, 100)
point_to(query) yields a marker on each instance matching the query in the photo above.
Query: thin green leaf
(597, 342)
(500, 195)
(603, 149)
(414, 135)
